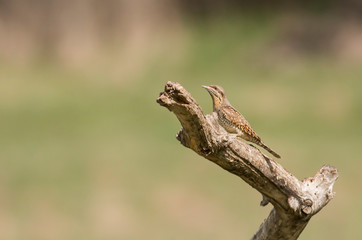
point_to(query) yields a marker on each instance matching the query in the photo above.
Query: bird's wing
(235, 117)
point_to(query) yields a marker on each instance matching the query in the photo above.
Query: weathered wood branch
(294, 201)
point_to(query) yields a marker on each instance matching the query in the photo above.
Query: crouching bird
(231, 120)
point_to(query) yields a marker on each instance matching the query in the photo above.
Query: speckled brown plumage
(233, 121)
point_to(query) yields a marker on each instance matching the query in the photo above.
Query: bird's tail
(269, 150)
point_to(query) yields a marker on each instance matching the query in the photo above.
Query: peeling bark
(294, 201)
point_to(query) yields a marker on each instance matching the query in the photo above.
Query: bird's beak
(208, 89)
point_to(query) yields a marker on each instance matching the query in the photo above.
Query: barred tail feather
(269, 150)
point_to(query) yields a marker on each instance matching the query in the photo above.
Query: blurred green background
(87, 153)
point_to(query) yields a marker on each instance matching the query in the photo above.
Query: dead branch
(294, 201)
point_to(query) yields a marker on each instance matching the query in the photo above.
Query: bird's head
(217, 94)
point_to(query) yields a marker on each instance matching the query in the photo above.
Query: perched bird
(231, 120)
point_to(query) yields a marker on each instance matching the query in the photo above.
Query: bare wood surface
(294, 201)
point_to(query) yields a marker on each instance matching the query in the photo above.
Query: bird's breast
(227, 123)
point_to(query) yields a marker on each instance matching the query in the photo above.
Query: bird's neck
(217, 103)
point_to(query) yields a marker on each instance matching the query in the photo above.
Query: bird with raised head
(233, 121)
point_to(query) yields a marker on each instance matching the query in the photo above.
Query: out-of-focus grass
(84, 156)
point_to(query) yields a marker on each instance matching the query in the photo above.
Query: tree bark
(294, 201)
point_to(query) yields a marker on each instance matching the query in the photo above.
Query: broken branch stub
(294, 201)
